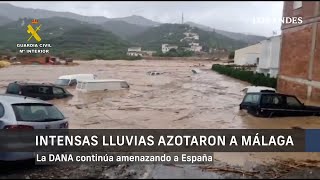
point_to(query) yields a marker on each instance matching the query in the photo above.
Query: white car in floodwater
(72, 79)
(23, 113)
(250, 89)
(102, 85)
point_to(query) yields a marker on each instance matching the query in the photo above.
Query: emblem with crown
(35, 21)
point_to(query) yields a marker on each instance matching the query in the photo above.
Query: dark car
(38, 90)
(265, 104)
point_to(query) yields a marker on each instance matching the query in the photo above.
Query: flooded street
(176, 99)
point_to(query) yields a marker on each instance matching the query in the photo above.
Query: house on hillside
(191, 36)
(248, 56)
(194, 48)
(166, 48)
(269, 56)
(194, 44)
(134, 51)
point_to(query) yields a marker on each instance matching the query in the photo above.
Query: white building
(269, 56)
(166, 48)
(190, 35)
(134, 51)
(248, 56)
(194, 44)
(196, 48)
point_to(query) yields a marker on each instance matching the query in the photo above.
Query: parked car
(38, 90)
(72, 79)
(266, 104)
(250, 89)
(25, 113)
(101, 85)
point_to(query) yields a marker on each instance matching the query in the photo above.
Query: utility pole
(182, 19)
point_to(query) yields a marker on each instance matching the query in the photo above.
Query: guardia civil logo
(33, 36)
(33, 31)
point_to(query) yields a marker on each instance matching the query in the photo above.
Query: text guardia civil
(168, 140)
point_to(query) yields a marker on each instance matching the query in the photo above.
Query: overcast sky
(234, 16)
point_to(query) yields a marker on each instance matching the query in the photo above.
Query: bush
(257, 79)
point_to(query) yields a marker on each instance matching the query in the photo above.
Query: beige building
(134, 51)
(248, 56)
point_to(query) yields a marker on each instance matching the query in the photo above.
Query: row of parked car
(25, 105)
(266, 102)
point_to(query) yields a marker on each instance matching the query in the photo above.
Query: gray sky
(230, 16)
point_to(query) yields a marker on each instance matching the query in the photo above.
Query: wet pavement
(177, 98)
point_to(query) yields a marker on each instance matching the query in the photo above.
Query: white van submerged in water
(72, 79)
(101, 85)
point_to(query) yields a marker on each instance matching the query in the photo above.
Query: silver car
(20, 112)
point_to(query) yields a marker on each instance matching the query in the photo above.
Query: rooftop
(103, 80)
(16, 99)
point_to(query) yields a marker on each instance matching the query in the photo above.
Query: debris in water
(195, 71)
(229, 170)
(79, 106)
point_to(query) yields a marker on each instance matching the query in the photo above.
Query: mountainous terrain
(123, 29)
(68, 37)
(14, 13)
(73, 34)
(4, 20)
(250, 39)
(173, 33)
(138, 20)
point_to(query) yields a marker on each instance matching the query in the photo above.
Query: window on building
(297, 4)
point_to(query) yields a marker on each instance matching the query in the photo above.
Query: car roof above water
(102, 80)
(74, 76)
(33, 84)
(270, 93)
(250, 89)
(16, 99)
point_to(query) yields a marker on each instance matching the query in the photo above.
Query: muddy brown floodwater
(178, 98)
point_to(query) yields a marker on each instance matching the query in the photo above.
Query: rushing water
(178, 98)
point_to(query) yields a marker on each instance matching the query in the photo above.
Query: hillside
(250, 39)
(138, 20)
(4, 20)
(123, 29)
(15, 13)
(173, 33)
(68, 38)
(123, 26)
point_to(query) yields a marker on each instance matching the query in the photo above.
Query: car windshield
(33, 112)
(251, 98)
(63, 82)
